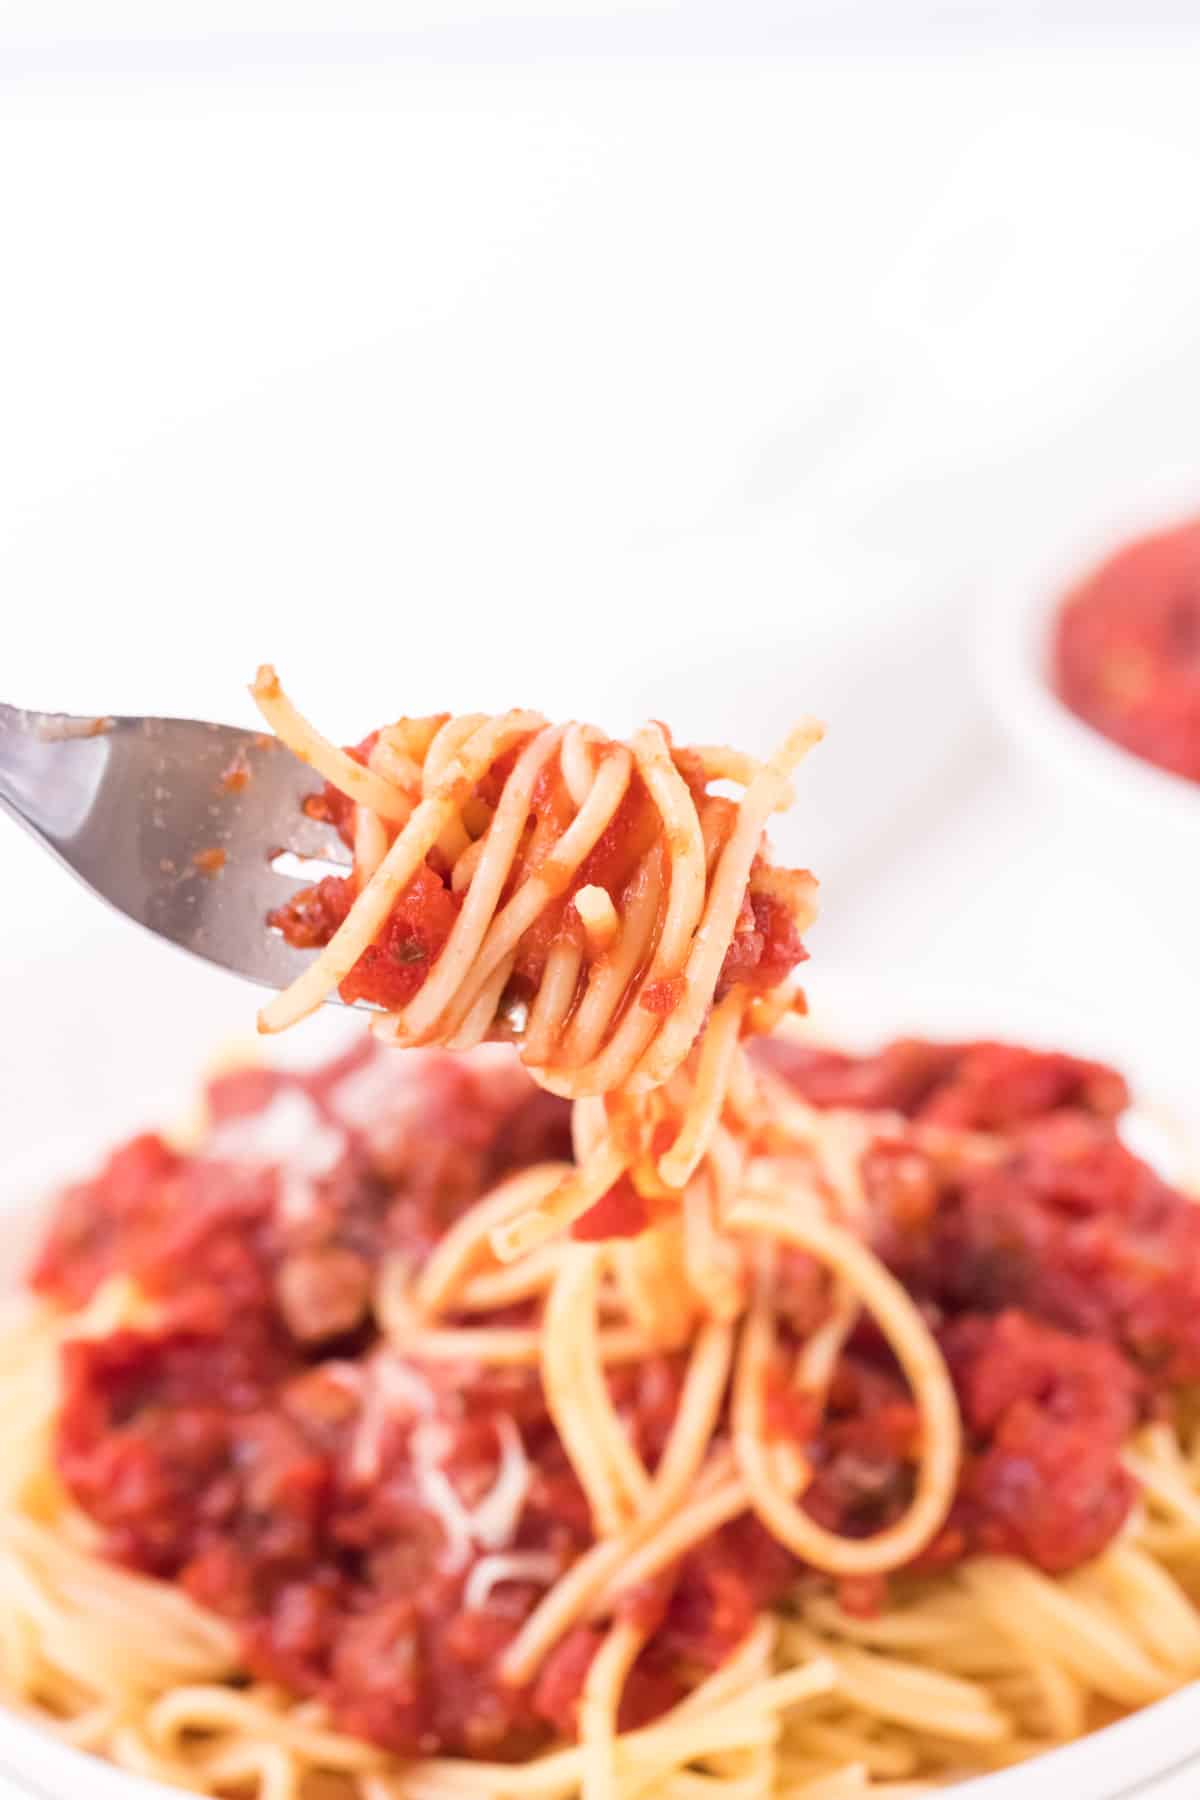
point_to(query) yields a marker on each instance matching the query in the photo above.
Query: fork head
(177, 823)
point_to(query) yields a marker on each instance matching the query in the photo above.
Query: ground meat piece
(323, 1293)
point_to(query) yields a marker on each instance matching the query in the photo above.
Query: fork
(177, 823)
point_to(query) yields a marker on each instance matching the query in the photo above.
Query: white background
(706, 362)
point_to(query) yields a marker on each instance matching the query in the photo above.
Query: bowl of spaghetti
(588, 1382)
(1058, 1597)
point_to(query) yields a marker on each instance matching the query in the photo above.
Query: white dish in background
(1148, 1754)
(1012, 655)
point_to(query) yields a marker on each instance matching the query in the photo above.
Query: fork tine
(175, 823)
(317, 839)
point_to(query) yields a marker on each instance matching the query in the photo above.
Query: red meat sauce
(223, 1448)
(1061, 1276)
(1126, 650)
(765, 947)
(239, 1448)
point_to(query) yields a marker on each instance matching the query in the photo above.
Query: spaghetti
(420, 1437)
(587, 899)
(270, 1528)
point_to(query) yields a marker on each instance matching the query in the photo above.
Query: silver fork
(175, 822)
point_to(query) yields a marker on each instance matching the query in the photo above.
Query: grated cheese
(289, 1135)
(498, 1513)
(377, 1090)
(539, 1566)
(387, 1387)
(492, 1523)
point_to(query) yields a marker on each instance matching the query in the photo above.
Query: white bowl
(1150, 1754)
(1160, 811)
